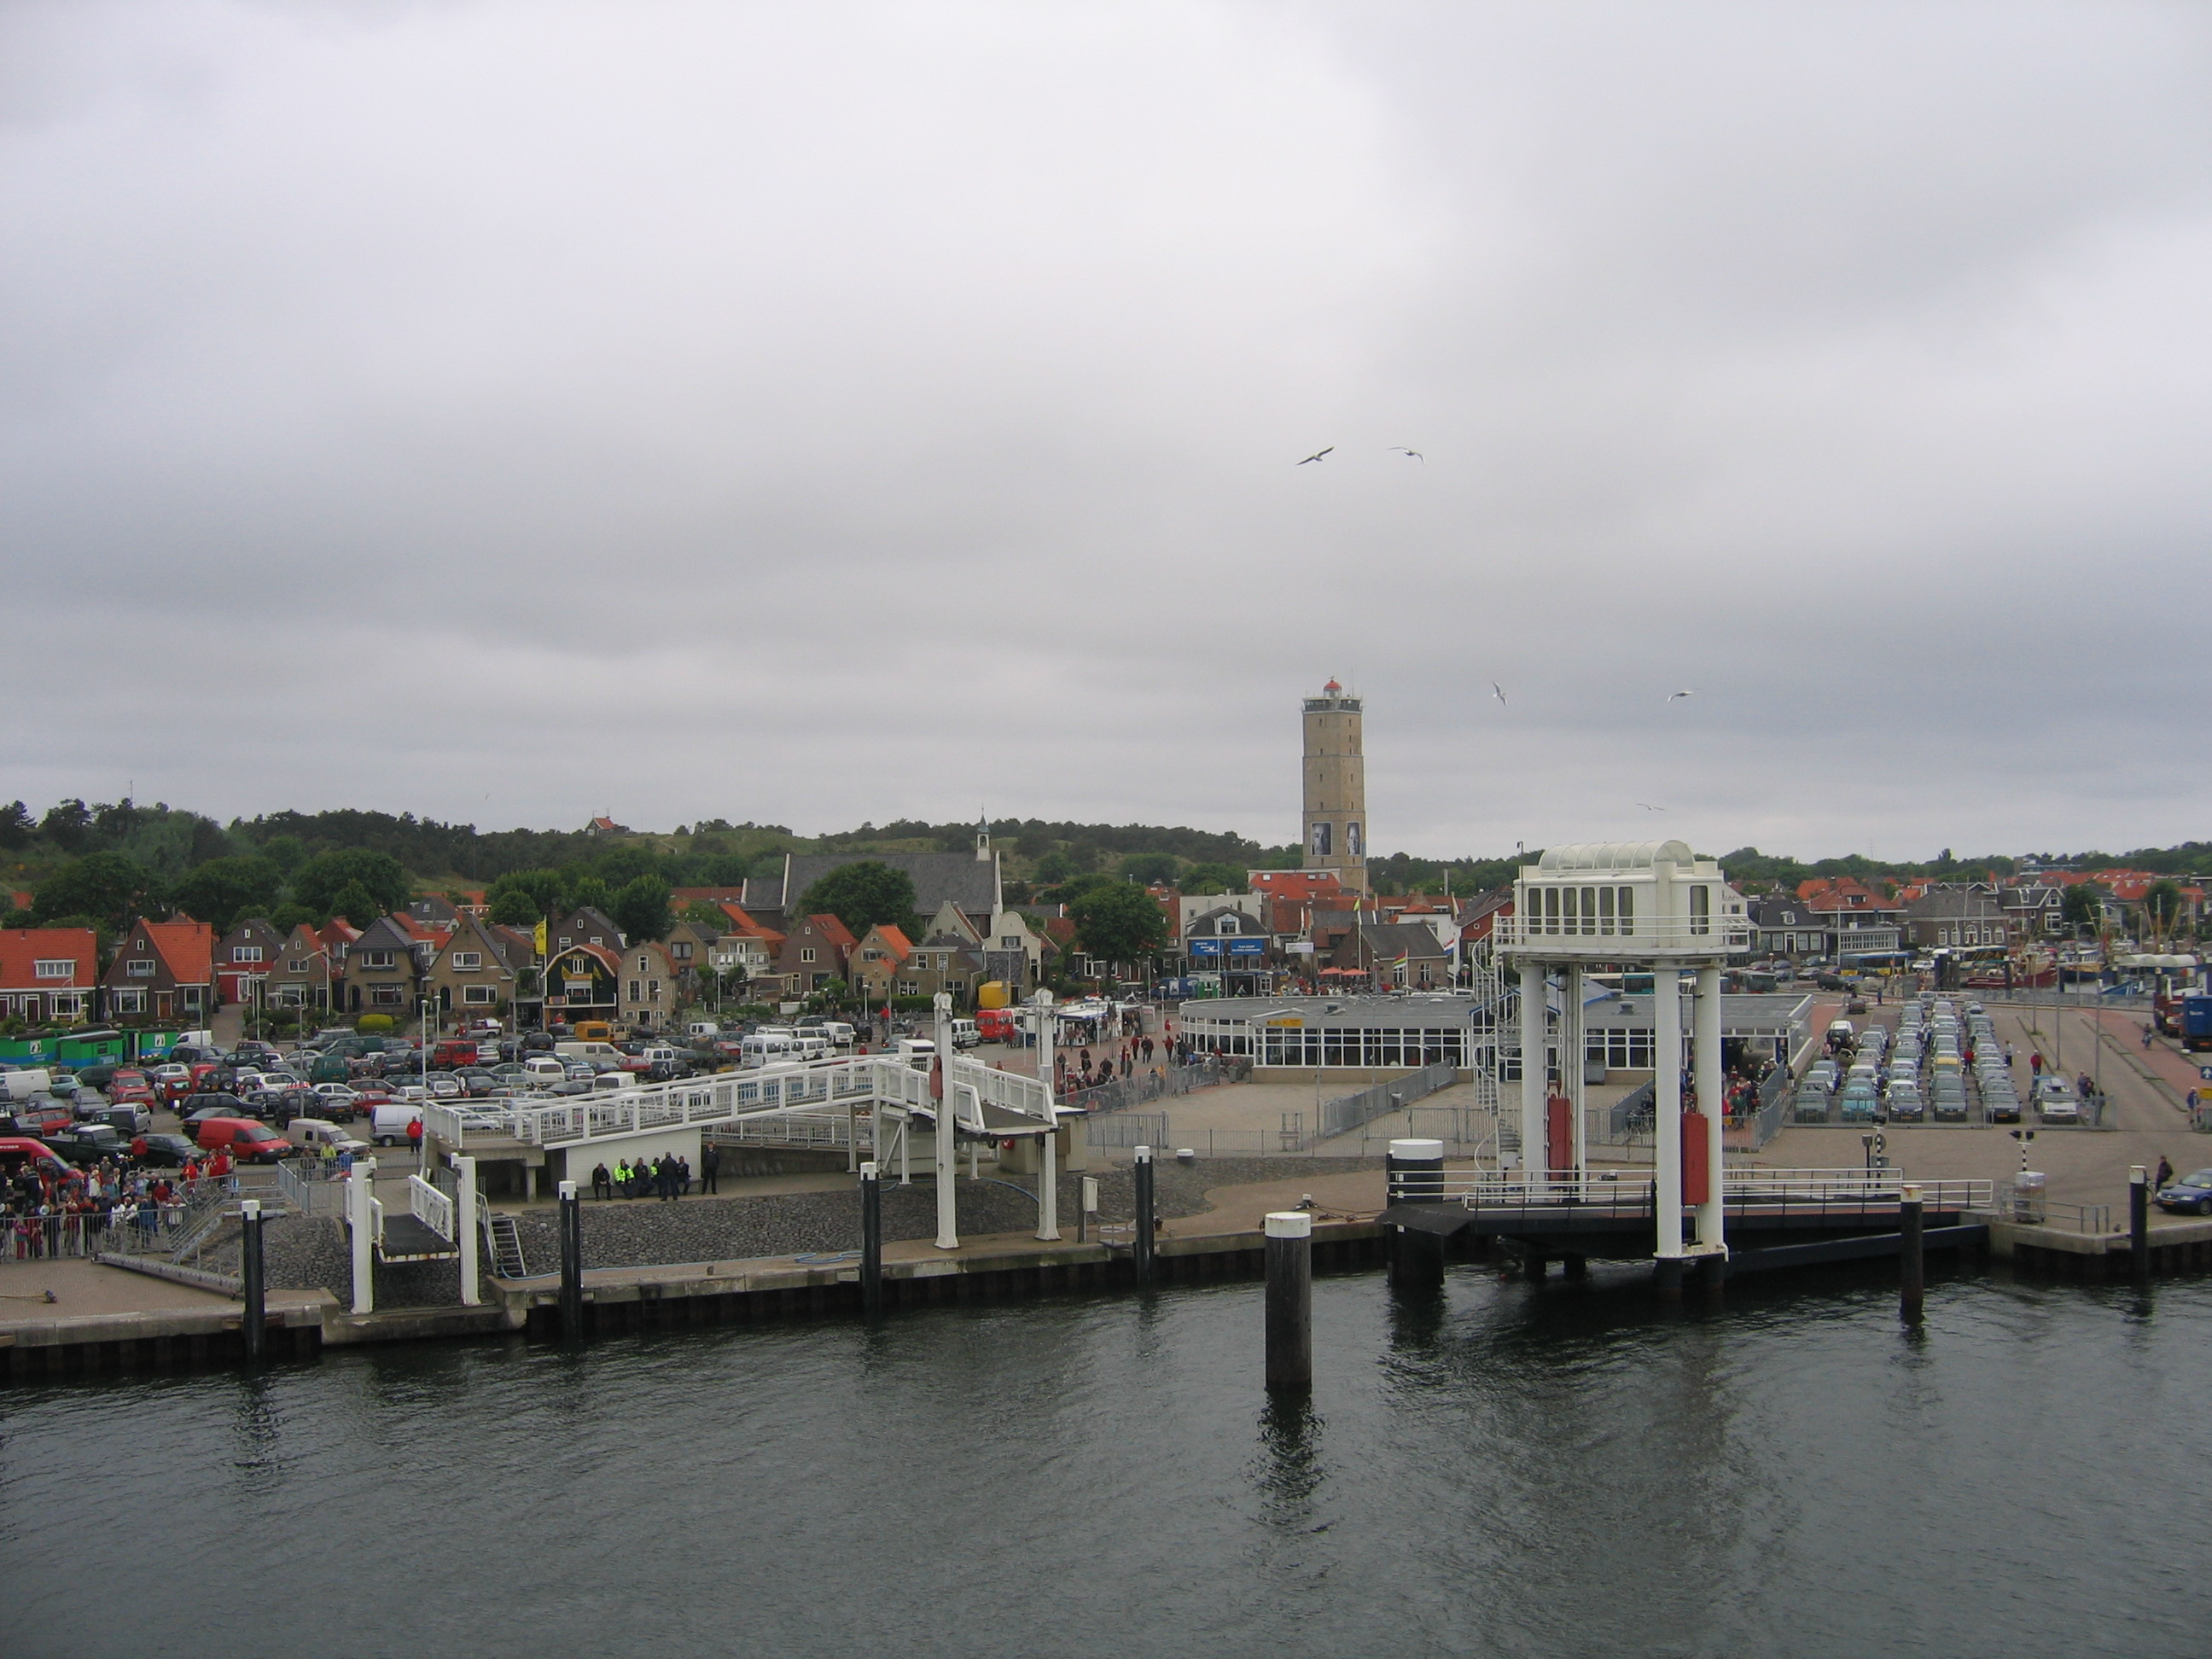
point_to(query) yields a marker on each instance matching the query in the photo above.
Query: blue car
(2190, 1195)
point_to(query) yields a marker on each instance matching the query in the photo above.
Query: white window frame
(479, 996)
(466, 961)
(141, 967)
(61, 968)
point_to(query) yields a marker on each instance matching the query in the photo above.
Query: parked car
(213, 1103)
(130, 1118)
(37, 1118)
(2190, 1195)
(89, 1143)
(2056, 1100)
(165, 1151)
(312, 1135)
(339, 1102)
(1902, 1104)
(388, 1123)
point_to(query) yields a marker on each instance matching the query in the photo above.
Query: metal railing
(1742, 1188)
(122, 1231)
(1717, 936)
(815, 1130)
(1127, 1129)
(433, 1208)
(311, 1187)
(1349, 1112)
(865, 1081)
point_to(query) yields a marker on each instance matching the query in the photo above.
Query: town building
(245, 959)
(649, 999)
(48, 974)
(163, 972)
(480, 971)
(302, 974)
(1958, 918)
(383, 971)
(877, 960)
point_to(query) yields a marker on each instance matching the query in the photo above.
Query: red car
(133, 1088)
(245, 1139)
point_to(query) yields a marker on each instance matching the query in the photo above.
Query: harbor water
(1500, 1471)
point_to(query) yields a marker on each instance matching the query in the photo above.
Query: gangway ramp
(986, 1102)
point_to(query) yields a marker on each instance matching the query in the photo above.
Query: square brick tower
(1335, 788)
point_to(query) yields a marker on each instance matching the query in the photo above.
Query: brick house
(816, 951)
(647, 992)
(163, 972)
(383, 973)
(48, 972)
(302, 974)
(943, 962)
(876, 961)
(245, 958)
(478, 973)
(1958, 918)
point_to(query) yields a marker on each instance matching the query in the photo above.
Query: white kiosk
(1626, 904)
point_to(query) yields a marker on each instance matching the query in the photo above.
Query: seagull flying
(1317, 454)
(1400, 449)
(1690, 692)
(1648, 807)
(1498, 691)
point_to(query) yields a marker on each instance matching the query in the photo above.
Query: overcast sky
(511, 412)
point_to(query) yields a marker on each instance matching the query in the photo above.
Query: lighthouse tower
(1336, 820)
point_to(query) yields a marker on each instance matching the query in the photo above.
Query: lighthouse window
(1701, 909)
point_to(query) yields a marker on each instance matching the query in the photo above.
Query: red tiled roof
(187, 946)
(894, 937)
(21, 949)
(1295, 883)
(835, 931)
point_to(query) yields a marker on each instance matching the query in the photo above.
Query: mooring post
(872, 1242)
(257, 1310)
(1912, 1259)
(572, 1264)
(1141, 1246)
(1289, 1300)
(361, 1215)
(1415, 1176)
(2139, 1220)
(1086, 1209)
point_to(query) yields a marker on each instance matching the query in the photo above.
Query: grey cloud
(511, 412)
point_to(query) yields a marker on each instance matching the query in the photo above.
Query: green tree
(357, 904)
(1214, 878)
(16, 828)
(522, 898)
(221, 891)
(861, 896)
(700, 913)
(286, 917)
(67, 824)
(1119, 923)
(1055, 866)
(322, 881)
(640, 907)
(1145, 868)
(2083, 905)
(106, 886)
(287, 853)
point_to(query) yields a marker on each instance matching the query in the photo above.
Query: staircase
(505, 1239)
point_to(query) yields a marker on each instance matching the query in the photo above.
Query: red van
(246, 1141)
(16, 1151)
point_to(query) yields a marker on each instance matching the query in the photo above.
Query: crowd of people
(53, 1211)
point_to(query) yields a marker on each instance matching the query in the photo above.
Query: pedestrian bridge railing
(1744, 1188)
(864, 1082)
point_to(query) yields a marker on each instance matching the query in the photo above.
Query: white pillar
(948, 1231)
(1666, 1108)
(360, 1182)
(1531, 1071)
(1707, 1027)
(465, 1224)
(1573, 1044)
(1048, 1153)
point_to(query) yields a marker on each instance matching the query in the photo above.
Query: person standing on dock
(710, 1165)
(2164, 1178)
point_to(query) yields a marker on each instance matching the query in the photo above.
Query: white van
(21, 1085)
(591, 1053)
(965, 1035)
(387, 1125)
(702, 1030)
(662, 1056)
(540, 1069)
(839, 1035)
(766, 1048)
(312, 1135)
(919, 1053)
